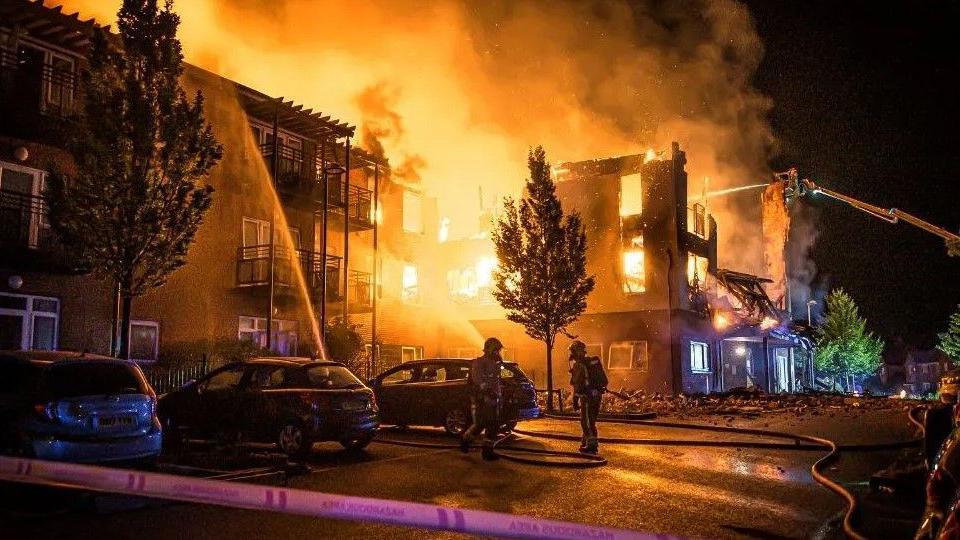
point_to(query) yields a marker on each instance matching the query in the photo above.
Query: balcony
(36, 97)
(26, 238)
(360, 201)
(360, 291)
(253, 270)
(295, 175)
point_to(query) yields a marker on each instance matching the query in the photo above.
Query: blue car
(78, 408)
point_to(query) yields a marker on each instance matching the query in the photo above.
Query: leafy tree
(133, 204)
(345, 344)
(541, 280)
(844, 347)
(950, 340)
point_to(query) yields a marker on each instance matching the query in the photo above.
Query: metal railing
(253, 268)
(165, 379)
(361, 289)
(49, 89)
(23, 221)
(360, 211)
(293, 167)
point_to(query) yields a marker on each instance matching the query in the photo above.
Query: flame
(443, 233)
(721, 321)
(633, 269)
(776, 225)
(769, 322)
(697, 268)
(650, 155)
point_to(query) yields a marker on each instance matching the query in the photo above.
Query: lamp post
(810, 303)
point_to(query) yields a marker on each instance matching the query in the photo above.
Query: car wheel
(456, 422)
(294, 441)
(355, 445)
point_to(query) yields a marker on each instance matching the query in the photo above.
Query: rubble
(749, 403)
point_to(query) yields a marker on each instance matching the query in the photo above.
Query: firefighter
(485, 398)
(589, 383)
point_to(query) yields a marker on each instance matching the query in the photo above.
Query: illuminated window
(412, 212)
(144, 340)
(699, 360)
(628, 355)
(696, 268)
(633, 267)
(411, 285)
(409, 354)
(631, 195)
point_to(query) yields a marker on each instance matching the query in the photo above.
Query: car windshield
(332, 377)
(512, 370)
(89, 379)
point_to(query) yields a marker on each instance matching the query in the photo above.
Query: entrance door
(782, 357)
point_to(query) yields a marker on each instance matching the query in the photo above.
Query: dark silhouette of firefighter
(486, 394)
(589, 383)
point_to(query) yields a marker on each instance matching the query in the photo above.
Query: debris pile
(748, 403)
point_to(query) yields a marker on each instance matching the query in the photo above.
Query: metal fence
(167, 378)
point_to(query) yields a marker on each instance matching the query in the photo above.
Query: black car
(77, 407)
(434, 393)
(292, 402)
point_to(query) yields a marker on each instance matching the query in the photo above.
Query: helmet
(492, 345)
(578, 347)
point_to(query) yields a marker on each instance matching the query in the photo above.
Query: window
(28, 322)
(224, 380)
(46, 79)
(631, 195)
(23, 211)
(697, 220)
(628, 355)
(699, 359)
(268, 377)
(456, 372)
(256, 232)
(634, 273)
(408, 354)
(696, 269)
(474, 283)
(400, 376)
(144, 340)
(410, 281)
(94, 378)
(284, 335)
(412, 212)
(433, 373)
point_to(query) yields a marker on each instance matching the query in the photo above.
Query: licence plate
(354, 405)
(109, 422)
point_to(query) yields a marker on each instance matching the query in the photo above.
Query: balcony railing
(293, 170)
(23, 222)
(361, 289)
(360, 211)
(35, 86)
(253, 268)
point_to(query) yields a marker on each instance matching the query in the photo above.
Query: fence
(167, 378)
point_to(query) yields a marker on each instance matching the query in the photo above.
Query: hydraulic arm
(796, 187)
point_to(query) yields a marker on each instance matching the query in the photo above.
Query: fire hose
(799, 442)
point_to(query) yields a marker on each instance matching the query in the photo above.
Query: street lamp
(810, 303)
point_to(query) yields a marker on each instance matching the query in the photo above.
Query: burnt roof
(748, 289)
(49, 24)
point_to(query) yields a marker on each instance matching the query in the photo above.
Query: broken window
(634, 279)
(628, 355)
(631, 195)
(696, 269)
(697, 220)
(474, 283)
(699, 360)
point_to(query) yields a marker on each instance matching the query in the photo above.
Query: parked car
(292, 402)
(67, 406)
(434, 393)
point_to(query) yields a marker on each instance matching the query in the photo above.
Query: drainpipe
(346, 232)
(273, 254)
(374, 277)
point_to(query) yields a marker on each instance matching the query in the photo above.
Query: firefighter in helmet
(589, 383)
(485, 398)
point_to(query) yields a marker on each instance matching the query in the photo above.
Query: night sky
(866, 102)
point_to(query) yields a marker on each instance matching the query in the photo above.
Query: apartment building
(290, 243)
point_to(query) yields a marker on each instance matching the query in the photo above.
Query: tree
(133, 204)
(541, 280)
(950, 340)
(345, 344)
(844, 347)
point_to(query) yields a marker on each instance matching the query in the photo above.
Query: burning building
(663, 317)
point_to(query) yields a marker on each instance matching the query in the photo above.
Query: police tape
(301, 502)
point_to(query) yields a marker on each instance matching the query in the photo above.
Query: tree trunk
(549, 344)
(127, 300)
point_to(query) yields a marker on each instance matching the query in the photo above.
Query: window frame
(38, 219)
(156, 342)
(406, 295)
(634, 364)
(29, 314)
(706, 357)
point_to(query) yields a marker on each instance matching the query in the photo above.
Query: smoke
(802, 270)
(455, 92)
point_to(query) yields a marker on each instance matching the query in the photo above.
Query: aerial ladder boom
(890, 215)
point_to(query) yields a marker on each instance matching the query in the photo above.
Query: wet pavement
(708, 492)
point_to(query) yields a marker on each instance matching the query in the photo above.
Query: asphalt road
(693, 492)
